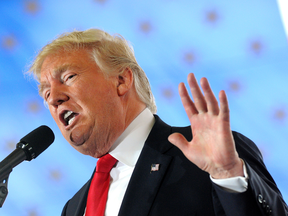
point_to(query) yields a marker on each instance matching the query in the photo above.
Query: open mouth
(69, 117)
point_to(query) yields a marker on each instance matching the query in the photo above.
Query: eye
(46, 95)
(68, 77)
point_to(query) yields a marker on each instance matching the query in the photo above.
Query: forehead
(62, 60)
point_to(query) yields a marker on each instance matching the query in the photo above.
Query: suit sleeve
(262, 196)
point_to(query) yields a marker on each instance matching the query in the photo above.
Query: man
(101, 100)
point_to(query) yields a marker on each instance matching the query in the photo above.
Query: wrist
(235, 171)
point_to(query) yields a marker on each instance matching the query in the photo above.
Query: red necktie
(98, 191)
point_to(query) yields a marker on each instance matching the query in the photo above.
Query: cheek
(103, 110)
(100, 100)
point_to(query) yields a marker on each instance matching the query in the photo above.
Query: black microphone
(28, 148)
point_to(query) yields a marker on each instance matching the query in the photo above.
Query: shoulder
(160, 127)
(247, 149)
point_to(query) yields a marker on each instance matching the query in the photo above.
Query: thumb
(178, 140)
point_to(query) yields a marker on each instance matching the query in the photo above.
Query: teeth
(67, 114)
(69, 117)
(71, 120)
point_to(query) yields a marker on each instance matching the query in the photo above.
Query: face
(84, 104)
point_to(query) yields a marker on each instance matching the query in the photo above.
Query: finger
(224, 106)
(188, 104)
(178, 140)
(197, 95)
(212, 103)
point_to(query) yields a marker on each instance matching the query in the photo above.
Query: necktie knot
(105, 163)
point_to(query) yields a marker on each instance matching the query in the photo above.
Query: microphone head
(36, 141)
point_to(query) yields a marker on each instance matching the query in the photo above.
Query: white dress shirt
(127, 149)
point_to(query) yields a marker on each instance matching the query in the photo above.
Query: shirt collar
(128, 146)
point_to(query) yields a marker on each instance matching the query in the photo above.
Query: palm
(212, 148)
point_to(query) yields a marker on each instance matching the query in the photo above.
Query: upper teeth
(67, 114)
(68, 118)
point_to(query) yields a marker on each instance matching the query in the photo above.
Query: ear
(125, 82)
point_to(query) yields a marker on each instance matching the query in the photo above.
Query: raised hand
(212, 148)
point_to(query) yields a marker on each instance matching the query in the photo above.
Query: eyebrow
(55, 73)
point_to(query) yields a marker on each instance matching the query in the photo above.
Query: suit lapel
(144, 183)
(80, 208)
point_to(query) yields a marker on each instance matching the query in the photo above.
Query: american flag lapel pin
(154, 167)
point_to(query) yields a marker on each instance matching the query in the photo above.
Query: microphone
(29, 147)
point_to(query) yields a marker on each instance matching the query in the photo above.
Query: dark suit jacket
(180, 188)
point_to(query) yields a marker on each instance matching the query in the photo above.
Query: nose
(58, 95)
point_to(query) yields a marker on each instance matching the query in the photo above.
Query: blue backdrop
(240, 46)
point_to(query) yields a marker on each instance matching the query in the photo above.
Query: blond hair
(112, 54)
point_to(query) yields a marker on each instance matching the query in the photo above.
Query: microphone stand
(4, 175)
(13, 159)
